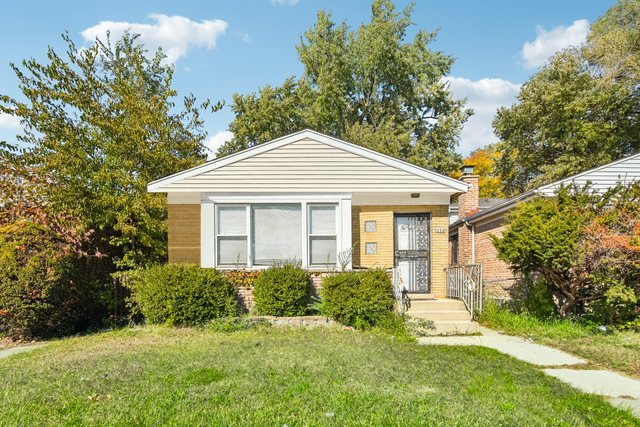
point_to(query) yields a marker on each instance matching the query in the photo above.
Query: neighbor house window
(232, 235)
(454, 249)
(322, 234)
(277, 233)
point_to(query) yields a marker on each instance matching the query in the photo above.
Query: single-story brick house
(315, 199)
(469, 233)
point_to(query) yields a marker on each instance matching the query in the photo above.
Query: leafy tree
(49, 283)
(579, 111)
(581, 248)
(368, 86)
(483, 160)
(99, 124)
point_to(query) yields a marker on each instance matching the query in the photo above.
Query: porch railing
(464, 282)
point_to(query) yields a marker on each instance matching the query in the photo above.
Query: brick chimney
(468, 202)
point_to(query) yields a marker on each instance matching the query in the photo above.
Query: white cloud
(548, 42)
(484, 97)
(214, 142)
(246, 37)
(8, 121)
(175, 34)
(285, 2)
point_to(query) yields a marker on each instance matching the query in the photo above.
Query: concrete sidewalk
(6, 352)
(618, 389)
(517, 347)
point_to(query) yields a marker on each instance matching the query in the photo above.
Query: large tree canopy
(579, 111)
(99, 124)
(369, 86)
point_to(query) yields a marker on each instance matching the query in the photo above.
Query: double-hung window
(231, 245)
(322, 234)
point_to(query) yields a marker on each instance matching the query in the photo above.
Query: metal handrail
(462, 285)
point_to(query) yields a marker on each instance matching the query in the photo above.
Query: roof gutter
(506, 205)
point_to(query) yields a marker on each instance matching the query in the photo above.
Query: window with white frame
(276, 233)
(322, 234)
(231, 244)
(263, 234)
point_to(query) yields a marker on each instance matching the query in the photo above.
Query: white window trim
(210, 201)
(309, 235)
(247, 234)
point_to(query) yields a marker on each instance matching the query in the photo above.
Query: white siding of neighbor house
(624, 171)
(309, 166)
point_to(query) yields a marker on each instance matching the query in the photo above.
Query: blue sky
(219, 48)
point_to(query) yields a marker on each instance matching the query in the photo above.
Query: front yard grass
(282, 376)
(619, 351)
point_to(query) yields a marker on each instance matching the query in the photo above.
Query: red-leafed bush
(49, 284)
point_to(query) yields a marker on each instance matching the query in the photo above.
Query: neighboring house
(315, 199)
(469, 234)
(484, 203)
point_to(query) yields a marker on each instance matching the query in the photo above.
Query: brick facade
(184, 233)
(497, 275)
(384, 239)
(474, 243)
(468, 202)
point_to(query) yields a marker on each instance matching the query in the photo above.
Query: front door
(413, 251)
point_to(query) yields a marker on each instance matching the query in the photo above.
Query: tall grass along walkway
(618, 389)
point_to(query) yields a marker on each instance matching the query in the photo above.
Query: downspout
(473, 241)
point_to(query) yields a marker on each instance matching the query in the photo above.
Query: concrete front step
(418, 296)
(449, 316)
(440, 314)
(455, 328)
(437, 304)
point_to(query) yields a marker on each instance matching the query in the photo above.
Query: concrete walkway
(618, 389)
(6, 352)
(517, 347)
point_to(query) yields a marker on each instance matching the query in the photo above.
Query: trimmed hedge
(358, 298)
(182, 294)
(282, 291)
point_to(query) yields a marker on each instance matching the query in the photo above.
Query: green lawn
(619, 351)
(282, 376)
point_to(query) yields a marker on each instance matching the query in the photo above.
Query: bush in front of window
(361, 299)
(283, 290)
(182, 294)
(242, 278)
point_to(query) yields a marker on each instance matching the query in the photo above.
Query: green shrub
(45, 288)
(182, 294)
(581, 248)
(283, 290)
(533, 297)
(361, 299)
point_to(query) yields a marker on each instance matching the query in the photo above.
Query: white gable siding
(309, 166)
(623, 171)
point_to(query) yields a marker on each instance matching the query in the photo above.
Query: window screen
(232, 235)
(322, 234)
(277, 233)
